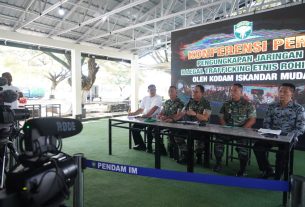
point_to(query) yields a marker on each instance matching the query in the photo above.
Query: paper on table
(131, 117)
(189, 122)
(269, 131)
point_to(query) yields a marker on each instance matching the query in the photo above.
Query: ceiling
(138, 26)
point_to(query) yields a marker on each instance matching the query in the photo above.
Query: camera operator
(9, 86)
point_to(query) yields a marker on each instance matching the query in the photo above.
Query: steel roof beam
(71, 11)
(51, 8)
(51, 18)
(156, 20)
(89, 21)
(168, 32)
(29, 4)
(169, 8)
(101, 21)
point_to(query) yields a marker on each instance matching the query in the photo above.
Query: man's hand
(161, 117)
(130, 114)
(191, 112)
(250, 122)
(169, 120)
(139, 111)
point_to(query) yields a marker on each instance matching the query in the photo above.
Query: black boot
(176, 152)
(139, 147)
(170, 149)
(199, 158)
(149, 148)
(267, 173)
(218, 166)
(149, 144)
(183, 158)
(242, 169)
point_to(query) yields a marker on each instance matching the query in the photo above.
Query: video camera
(45, 174)
(10, 116)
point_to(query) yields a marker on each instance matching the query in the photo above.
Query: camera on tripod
(43, 173)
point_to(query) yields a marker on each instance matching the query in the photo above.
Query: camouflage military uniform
(288, 119)
(171, 107)
(235, 114)
(199, 107)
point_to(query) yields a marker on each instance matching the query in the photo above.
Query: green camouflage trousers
(221, 140)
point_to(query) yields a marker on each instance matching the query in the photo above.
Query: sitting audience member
(236, 112)
(169, 113)
(287, 116)
(150, 107)
(197, 109)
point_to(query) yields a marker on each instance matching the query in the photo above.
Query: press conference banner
(260, 51)
(261, 48)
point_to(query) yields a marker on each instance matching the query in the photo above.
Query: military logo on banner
(243, 29)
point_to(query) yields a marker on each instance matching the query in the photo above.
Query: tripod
(8, 153)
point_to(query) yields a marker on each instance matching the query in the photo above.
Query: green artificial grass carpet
(114, 189)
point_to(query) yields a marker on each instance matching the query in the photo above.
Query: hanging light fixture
(61, 11)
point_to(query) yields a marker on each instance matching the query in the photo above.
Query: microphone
(3, 81)
(8, 96)
(43, 135)
(52, 126)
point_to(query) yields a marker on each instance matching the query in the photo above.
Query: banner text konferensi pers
(238, 59)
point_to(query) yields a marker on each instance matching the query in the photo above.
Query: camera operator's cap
(151, 87)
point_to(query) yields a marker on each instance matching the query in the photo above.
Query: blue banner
(191, 177)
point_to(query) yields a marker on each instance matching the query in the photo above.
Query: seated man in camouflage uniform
(287, 116)
(197, 109)
(236, 112)
(169, 113)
